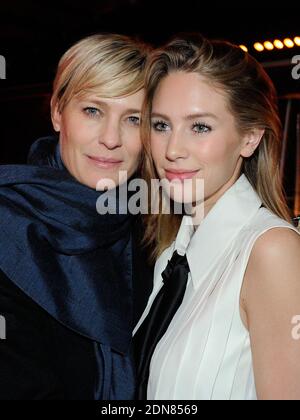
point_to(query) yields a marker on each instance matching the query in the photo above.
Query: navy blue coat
(41, 359)
(72, 285)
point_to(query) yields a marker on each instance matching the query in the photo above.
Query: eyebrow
(133, 111)
(188, 117)
(105, 105)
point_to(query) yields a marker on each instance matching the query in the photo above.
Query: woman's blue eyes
(95, 113)
(198, 128)
(160, 126)
(201, 128)
(92, 112)
(134, 120)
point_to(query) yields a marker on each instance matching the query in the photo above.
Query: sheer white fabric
(206, 352)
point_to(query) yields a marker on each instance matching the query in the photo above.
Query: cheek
(75, 131)
(158, 149)
(136, 142)
(217, 151)
(133, 146)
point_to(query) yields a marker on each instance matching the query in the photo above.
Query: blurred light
(259, 47)
(289, 43)
(244, 48)
(278, 44)
(268, 46)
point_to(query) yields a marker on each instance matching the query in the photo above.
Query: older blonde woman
(66, 275)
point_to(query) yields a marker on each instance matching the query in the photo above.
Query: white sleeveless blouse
(206, 352)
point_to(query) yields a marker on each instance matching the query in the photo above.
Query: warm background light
(244, 48)
(259, 47)
(268, 46)
(278, 44)
(289, 43)
(297, 40)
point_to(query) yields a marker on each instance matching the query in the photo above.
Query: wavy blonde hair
(252, 99)
(110, 65)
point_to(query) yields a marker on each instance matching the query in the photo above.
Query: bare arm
(271, 295)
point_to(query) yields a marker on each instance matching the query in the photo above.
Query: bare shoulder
(276, 248)
(273, 269)
(276, 242)
(270, 301)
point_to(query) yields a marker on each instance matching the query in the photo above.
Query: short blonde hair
(110, 65)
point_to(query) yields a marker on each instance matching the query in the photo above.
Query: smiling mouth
(180, 175)
(104, 162)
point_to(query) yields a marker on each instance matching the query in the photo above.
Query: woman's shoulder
(266, 220)
(265, 229)
(275, 241)
(274, 261)
(272, 272)
(273, 250)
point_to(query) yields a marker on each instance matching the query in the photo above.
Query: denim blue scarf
(55, 247)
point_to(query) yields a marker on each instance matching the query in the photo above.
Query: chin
(177, 198)
(93, 181)
(182, 195)
(102, 180)
(90, 184)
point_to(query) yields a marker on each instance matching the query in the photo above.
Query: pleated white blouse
(206, 352)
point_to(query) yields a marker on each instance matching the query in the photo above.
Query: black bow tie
(162, 312)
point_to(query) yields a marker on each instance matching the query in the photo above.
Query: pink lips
(180, 175)
(104, 163)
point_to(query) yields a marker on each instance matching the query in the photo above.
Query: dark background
(34, 34)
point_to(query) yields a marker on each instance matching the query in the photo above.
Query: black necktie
(162, 312)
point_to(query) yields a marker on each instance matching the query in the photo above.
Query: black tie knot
(175, 262)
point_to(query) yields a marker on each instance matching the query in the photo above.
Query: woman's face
(99, 137)
(194, 136)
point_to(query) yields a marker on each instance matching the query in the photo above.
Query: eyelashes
(96, 113)
(92, 112)
(160, 126)
(136, 121)
(201, 128)
(198, 127)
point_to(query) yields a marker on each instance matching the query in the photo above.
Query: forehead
(187, 93)
(133, 101)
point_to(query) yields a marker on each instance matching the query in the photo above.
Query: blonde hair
(252, 100)
(110, 65)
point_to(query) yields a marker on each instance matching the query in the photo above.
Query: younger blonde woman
(221, 322)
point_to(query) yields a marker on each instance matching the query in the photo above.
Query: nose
(110, 135)
(176, 148)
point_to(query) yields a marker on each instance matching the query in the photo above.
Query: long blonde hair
(252, 100)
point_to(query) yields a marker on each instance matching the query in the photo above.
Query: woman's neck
(202, 209)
